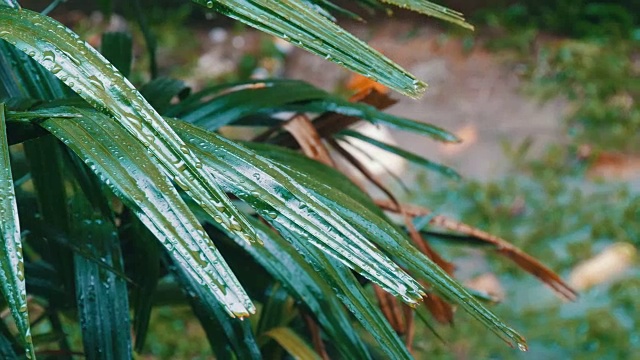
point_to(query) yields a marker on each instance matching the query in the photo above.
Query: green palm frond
(126, 190)
(296, 22)
(91, 76)
(11, 261)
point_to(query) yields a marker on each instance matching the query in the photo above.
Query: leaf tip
(416, 89)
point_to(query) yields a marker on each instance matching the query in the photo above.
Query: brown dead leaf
(316, 337)
(391, 309)
(307, 137)
(523, 260)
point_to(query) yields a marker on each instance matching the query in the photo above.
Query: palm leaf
(361, 213)
(300, 24)
(346, 288)
(147, 191)
(248, 176)
(293, 343)
(288, 267)
(442, 169)
(146, 268)
(431, 9)
(101, 291)
(11, 261)
(90, 75)
(286, 204)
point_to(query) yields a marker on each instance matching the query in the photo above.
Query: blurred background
(545, 95)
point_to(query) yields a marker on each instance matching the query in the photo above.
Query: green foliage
(120, 198)
(575, 18)
(603, 83)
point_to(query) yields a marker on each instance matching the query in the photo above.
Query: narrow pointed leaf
(11, 261)
(146, 269)
(286, 204)
(45, 158)
(431, 9)
(336, 279)
(225, 334)
(367, 218)
(288, 267)
(232, 105)
(387, 237)
(132, 175)
(90, 75)
(370, 113)
(102, 298)
(228, 104)
(338, 276)
(288, 158)
(442, 169)
(298, 23)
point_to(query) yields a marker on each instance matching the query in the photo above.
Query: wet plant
(114, 194)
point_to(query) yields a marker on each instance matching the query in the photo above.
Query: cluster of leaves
(120, 191)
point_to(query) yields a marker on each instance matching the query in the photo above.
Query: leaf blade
(90, 75)
(431, 9)
(145, 189)
(11, 260)
(297, 22)
(442, 169)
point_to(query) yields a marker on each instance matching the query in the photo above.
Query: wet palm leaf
(11, 262)
(431, 9)
(92, 77)
(230, 104)
(104, 147)
(300, 24)
(255, 180)
(288, 267)
(442, 169)
(287, 204)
